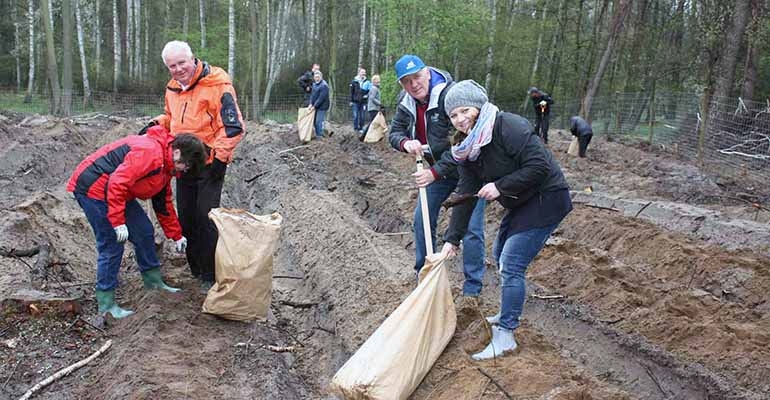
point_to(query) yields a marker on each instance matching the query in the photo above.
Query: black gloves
(143, 131)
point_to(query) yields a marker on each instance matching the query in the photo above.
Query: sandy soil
(644, 311)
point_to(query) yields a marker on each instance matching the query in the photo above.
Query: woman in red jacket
(106, 185)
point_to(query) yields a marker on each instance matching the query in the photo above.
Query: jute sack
(398, 355)
(377, 129)
(244, 264)
(305, 124)
(574, 147)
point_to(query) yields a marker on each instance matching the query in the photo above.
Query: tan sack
(377, 129)
(305, 120)
(398, 355)
(244, 264)
(574, 147)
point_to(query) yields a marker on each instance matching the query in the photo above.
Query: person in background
(359, 92)
(200, 99)
(581, 129)
(305, 82)
(542, 102)
(319, 101)
(373, 105)
(106, 185)
(500, 159)
(420, 121)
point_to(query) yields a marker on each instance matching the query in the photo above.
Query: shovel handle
(424, 208)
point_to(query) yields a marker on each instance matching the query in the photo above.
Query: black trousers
(584, 141)
(541, 126)
(195, 196)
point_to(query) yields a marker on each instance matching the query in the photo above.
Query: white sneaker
(495, 319)
(502, 342)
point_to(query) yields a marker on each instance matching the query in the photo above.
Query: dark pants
(541, 126)
(195, 196)
(584, 141)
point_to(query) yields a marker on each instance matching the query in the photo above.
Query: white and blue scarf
(480, 135)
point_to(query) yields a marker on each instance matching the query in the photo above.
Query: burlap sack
(244, 264)
(305, 120)
(377, 129)
(574, 147)
(398, 355)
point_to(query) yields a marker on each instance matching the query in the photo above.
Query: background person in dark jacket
(500, 159)
(305, 82)
(582, 129)
(359, 95)
(541, 101)
(319, 101)
(420, 120)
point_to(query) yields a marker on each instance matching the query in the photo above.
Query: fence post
(704, 112)
(651, 113)
(617, 113)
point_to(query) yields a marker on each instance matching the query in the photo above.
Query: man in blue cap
(420, 120)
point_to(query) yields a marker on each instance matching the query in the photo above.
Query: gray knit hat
(466, 93)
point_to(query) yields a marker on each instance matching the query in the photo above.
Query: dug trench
(635, 311)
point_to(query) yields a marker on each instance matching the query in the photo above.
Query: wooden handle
(424, 209)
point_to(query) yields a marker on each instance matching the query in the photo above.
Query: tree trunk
(146, 53)
(732, 43)
(361, 38)
(50, 15)
(490, 45)
(31, 29)
(752, 55)
(186, 21)
(373, 42)
(98, 43)
(255, 57)
(202, 17)
(533, 76)
(52, 67)
(130, 37)
(616, 27)
(67, 50)
(116, 43)
(313, 42)
(333, 54)
(16, 44)
(137, 38)
(231, 40)
(83, 64)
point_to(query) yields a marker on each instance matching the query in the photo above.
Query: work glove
(121, 231)
(543, 103)
(181, 245)
(143, 131)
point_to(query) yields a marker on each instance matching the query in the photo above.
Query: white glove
(543, 103)
(181, 245)
(121, 231)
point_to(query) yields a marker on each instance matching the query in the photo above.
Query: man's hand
(121, 232)
(308, 89)
(181, 245)
(413, 147)
(449, 250)
(310, 108)
(489, 192)
(423, 178)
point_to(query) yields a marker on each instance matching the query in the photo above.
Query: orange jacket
(208, 109)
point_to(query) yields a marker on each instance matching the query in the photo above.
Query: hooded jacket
(579, 127)
(208, 109)
(542, 96)
(135, 167)
(437, 129)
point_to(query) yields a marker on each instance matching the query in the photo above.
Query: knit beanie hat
(466, 93)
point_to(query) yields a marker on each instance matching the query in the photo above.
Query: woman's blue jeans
(513, 256)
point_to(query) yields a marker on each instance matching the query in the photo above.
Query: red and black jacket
(135, 167)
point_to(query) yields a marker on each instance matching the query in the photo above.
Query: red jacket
(135, 167)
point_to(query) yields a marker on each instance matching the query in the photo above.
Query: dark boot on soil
(205, 287)
(468, 310)
(106, 301)
(153, 280)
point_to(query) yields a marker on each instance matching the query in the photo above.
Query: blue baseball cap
(407, 65)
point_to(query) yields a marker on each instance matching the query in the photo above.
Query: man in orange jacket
(201, 100)
(106, 185)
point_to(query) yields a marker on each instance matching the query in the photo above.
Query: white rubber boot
(502, 342)
(495, 319)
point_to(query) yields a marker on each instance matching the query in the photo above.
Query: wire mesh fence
(732, 136)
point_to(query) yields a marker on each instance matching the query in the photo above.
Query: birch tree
(313, 29)
(202, 18)
(373, 42)
(186, 21)
(31, 29)
(255, 58)
(52, 67)
(146, 51)
(98, 41)
(137, 38)
(362, 37)
(116, 43)
(732, 44)
(81, 49)
(490, 45)
(538, 49)
(67, 32)
(231, 39)
(276, 45)
(16, 44)
(130, 37)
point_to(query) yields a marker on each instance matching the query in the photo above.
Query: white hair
(176, 46)
(319, 73)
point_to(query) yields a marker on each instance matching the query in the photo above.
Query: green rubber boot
(153, 280)
(106, 301)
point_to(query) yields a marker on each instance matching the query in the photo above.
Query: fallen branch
(601, 207)
(547, 296)
(507, 395)
(64, 372)
(642, 209)
(255, 177)
(11, 375)
(287, 277)
(280, 349)
(297, 305)
(293, 148)
(655, 381)
(395, 233)
(19, 253)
